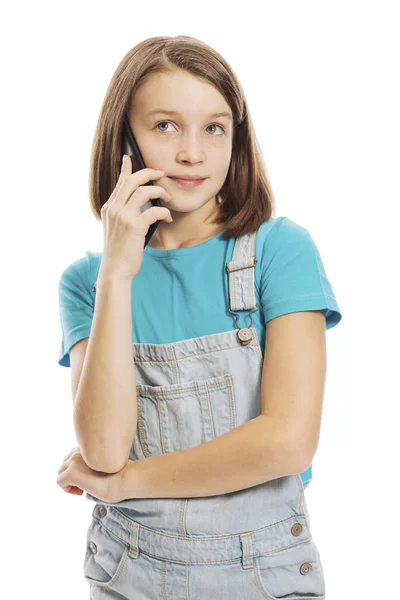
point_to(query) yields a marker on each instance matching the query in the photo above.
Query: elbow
(104, 462)
(300, 460)
(301, 465)
(102, 455)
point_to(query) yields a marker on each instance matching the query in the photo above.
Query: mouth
(187, 183)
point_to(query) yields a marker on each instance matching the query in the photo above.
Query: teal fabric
(183, 293)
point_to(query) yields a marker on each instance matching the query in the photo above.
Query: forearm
(105, 407)
(251, 454)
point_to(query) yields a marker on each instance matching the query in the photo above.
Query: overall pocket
(294, 573)
(106, 556)
(180, 416)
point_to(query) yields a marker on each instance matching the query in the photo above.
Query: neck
(187, 229)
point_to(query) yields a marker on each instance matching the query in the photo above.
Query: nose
(191, 149)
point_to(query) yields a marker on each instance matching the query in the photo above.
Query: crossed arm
(282, 440)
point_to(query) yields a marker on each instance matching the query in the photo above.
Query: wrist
(107, 278)
(120, 486)
(107, 274)
(115, 486)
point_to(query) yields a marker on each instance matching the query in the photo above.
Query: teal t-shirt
(183, 293)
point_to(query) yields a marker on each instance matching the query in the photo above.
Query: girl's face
(189, 142)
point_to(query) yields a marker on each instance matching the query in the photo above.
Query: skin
(190, 142)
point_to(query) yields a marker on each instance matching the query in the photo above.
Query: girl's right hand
(124, 225)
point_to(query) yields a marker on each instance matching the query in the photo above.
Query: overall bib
(253, 543)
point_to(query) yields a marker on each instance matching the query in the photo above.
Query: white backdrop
(322, 83)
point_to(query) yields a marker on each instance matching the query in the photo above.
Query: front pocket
(294, 573)
(180, 416)
(106, 556)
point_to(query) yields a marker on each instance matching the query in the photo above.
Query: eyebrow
(174, 113)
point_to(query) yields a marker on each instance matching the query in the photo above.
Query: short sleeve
(76, 306)
(293, 277)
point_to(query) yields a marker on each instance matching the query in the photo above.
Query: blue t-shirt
(184, 293)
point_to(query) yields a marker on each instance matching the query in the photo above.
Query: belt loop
(133, 541)
(247, 550)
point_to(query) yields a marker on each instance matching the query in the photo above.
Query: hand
(125, 225)
(75, 477)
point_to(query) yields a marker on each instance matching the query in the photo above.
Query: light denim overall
(253, 543)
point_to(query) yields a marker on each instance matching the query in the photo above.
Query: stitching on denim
(199, 386)
(188, 356)
(141, 429)
(210, 414)
(232, 404)
(182, 516)
(164, 580)
(212, 538)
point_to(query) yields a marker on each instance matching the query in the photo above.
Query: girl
(196, 430)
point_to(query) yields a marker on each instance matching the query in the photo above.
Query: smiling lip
(188, 177)
(187, 183)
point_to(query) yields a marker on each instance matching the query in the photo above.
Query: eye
(161, 123)
(212, 125)
(216, 125)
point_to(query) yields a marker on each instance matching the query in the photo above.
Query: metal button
(296, 529)
(93, 547)
(245, 336)
(102, 510)
(305, 568)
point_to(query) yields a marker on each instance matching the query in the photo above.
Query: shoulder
(291, 273)
(282, 244)
(78, 268)
(81, 270)
(279, 231)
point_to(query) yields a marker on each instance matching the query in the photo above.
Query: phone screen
(131, 148)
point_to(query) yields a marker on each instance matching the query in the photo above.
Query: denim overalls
(253, 543)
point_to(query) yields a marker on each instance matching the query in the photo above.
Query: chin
(187, 203)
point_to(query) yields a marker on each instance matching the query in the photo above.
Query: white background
(322, 83)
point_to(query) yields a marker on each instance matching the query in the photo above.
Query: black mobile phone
(131, 148)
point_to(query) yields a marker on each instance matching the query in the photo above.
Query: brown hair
(246, 195)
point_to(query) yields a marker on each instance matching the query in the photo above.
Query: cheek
(220, 156)
(223, 160)
(221, 165)
(156, 156)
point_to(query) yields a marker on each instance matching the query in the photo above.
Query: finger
(75, 490)
(62, 481)
(63, 467)
(131, 183)
(126, 169)
(143, 195)
(65, 483)
(71, 452)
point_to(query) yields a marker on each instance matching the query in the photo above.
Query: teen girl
(196, 422)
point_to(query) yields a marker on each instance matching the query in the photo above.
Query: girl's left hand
(75, 477)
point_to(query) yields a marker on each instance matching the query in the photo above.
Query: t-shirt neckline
(180, 251)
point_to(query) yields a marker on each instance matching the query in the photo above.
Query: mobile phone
(131, 148)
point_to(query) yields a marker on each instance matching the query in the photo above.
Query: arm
(105, 405)
(252, 453)
(282, 440)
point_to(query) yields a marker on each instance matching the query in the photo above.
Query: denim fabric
(253, 543)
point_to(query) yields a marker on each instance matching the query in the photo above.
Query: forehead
(174, 113)
(180, 93)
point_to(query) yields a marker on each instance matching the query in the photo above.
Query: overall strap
(241, 281)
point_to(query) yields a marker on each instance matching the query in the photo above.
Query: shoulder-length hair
(246, 195)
